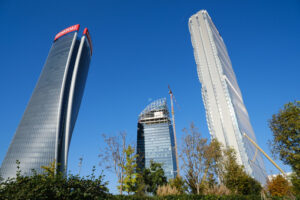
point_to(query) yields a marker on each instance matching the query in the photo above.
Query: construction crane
(174, 130)
(268, 157)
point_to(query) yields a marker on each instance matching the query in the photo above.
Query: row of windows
(155, 143)
(35, 139)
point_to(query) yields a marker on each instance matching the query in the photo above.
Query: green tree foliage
(210, 167)
(296, 184)
(130, 179)
(153, 177)
(285, 126)
(53, 186)
(179, 183)
(193, 197)
(235, 178)
(212, 163)
(50, 170)
(140, 189)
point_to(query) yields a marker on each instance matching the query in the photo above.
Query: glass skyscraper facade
(226, 114)
(155, 138)
(45, 130)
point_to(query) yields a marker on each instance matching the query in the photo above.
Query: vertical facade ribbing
(155, 138)
(45, 130)
(226, 114)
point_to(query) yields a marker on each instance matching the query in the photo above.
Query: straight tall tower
(45, 130)
(226, 114)
(155, 138)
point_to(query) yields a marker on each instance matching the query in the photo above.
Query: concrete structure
(155, 138)
(226, 114)
(45, 130)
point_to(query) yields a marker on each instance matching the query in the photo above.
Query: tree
(153, 177)
(211, 167)
(285, 126)
(231, 171)
(296, 183)
(140, 184)
(50, 170)
(213, 156)
(114, 156)
(130, 170)
(235, 178)
(278, 186)
(248, 185)
(179, 184)
(200, 160)
(193, 158)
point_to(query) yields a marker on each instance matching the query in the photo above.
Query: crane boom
(174, 130)
(268, 157)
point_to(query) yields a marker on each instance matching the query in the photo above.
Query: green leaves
(130, 168)
(286, 131)
(285, 126)
(53, 186)
(154, 177)
(235, 178)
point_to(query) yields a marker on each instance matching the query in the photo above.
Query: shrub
(189, 197)
(53, 186)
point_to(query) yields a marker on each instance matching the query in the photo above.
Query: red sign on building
(67, 30)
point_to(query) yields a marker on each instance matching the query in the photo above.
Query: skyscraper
(155, 138)
(45, 130)
(226, 114)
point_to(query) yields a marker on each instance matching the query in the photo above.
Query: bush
(190, 197)
(54, 186)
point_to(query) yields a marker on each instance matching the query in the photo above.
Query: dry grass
(167, 190)
(217, 190)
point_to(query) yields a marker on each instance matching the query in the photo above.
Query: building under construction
(155, 138)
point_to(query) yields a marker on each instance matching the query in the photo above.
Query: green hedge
(189, 197)
(194, 197)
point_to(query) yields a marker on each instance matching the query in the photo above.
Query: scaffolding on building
(155, 113)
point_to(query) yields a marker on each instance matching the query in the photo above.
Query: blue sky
(139, 48)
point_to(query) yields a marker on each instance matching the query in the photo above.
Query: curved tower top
(154, 107)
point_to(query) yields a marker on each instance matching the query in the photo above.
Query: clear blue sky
(139, 48)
